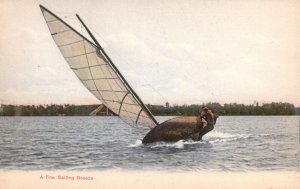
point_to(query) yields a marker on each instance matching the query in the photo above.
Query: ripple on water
(99, 143)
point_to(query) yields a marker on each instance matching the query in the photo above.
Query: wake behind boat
(101, 77)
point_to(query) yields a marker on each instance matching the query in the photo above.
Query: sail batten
(70, 43)
(90, 67)
(97, 73)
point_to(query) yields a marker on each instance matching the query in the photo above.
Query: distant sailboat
(102, 78)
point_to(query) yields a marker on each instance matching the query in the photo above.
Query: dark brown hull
(175, 129)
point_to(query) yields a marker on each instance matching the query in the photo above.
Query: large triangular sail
(98, 73)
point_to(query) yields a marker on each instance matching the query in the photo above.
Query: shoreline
(13, 179)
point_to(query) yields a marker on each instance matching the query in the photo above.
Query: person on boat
(208, 118)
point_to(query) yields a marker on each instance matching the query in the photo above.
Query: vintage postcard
(149, 94)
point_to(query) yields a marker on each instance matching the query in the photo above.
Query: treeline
(175, 110)
(47, 110)
(228, 109)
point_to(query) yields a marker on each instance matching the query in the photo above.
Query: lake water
(238, 143)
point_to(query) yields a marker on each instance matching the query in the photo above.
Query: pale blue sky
(183, 52)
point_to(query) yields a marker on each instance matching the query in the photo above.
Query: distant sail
(95, 70)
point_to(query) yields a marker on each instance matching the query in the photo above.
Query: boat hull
(180, 128)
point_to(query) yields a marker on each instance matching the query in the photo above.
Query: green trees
(274, 108)
(228, 109)
(47, 110)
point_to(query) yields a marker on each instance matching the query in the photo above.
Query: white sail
(95, 70)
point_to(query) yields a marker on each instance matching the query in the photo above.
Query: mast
(101, 50)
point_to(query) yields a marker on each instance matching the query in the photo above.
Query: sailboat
(101, 77)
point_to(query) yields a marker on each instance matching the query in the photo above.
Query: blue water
(238, 143)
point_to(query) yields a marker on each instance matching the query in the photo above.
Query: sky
(183, 52)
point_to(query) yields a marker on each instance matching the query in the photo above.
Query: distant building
(102, 110)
